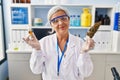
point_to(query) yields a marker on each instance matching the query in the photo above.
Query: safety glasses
(63, 18)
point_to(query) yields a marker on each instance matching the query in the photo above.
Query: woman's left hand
(88, 45)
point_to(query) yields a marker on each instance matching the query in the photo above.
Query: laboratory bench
(18, 64)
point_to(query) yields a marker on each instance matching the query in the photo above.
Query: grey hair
(53, 10)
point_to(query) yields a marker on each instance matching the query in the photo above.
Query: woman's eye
(55, 21)
(63, 18)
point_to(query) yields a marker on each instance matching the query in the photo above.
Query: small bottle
(30, 31)
(106, 20)
(28, 1)
(22, 1)
(77, 20)
(115, 73)
(71, 20)
(17, 1)
(86, 18)
(96, 16)
(14, 1)
(101, 19)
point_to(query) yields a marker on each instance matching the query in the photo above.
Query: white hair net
(55, 9)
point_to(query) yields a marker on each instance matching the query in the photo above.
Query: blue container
(117, 21)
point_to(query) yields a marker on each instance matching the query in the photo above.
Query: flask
(115, 73)
(86, 18)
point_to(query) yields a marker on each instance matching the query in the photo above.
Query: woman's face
(60, 22)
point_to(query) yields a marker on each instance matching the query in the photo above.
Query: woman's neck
(62, 37)
(62, 40)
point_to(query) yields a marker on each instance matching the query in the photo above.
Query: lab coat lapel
(70, 48)
(55, 41)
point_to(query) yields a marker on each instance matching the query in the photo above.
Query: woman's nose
(60, 22)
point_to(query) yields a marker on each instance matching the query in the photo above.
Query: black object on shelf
(115, 73)
(40, 33)
(106, 20)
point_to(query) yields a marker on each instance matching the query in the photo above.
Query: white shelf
(34, 4)
(41, 27)
(19, 27)
(18, 51)
(71, 27)
(105, 27)
(102, 27)
(104, 52)
(91, 52)
(78, 27)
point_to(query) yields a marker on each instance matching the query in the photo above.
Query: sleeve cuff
(37, 52)
(82, 58)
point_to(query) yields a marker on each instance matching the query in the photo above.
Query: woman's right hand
(32, 41)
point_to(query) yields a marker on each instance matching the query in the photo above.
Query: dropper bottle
(30, 32)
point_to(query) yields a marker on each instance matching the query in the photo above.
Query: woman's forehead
(58, 13)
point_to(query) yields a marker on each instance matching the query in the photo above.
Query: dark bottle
(96, 16)
(17, 1)
(101, 19)
(115, 73)
(28, 1)
(106, 20)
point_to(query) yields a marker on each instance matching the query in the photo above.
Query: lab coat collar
(70, 48)
(71, 42)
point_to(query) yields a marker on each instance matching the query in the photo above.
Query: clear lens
(63, 18)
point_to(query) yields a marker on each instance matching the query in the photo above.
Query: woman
(60, 56)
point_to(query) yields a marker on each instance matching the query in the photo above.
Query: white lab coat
(75, 66)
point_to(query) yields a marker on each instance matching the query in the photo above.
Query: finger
(26, 38)
(33, 36)
(90, 41)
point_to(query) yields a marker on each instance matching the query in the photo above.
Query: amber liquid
(28, 1)
(30, 32)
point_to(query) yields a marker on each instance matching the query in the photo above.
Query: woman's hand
(88, 45)
(32, 41)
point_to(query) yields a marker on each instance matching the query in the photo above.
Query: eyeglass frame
(51, 21)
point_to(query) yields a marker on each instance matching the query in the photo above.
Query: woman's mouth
(62, 28)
